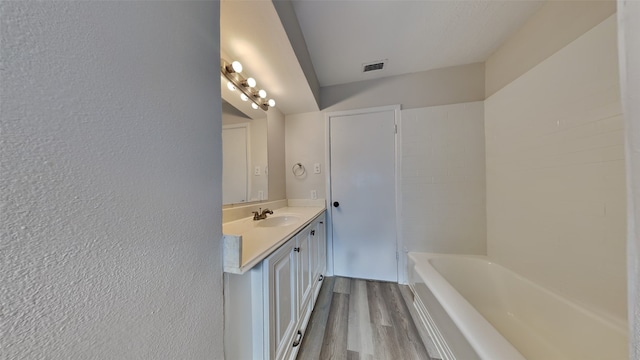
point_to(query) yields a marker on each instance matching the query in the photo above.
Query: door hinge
(395, 128)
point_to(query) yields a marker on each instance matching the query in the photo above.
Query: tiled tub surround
(246, 243)
(482, 310)
(555, 167)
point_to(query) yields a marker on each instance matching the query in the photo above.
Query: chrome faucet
(261, 214)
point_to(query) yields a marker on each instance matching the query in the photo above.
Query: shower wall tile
(443, 179)
(556, 199)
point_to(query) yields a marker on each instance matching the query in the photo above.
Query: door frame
(400, 250)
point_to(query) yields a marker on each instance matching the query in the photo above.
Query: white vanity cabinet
(281, 308)
(267, 308)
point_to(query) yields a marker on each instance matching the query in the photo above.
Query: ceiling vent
(378, 65)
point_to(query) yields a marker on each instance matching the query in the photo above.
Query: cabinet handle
(321, 222)
(321, 278)
(298, 339)
(313, 232)
(296, 249)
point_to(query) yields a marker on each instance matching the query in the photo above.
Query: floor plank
(378, 312)
(334, 345)
(363, 320)
(353, 355)
(342, 285)
(314, 335)
(408, 296)
(387, 346)
(405, 330)
(359, 337)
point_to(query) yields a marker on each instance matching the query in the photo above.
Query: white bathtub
(476, 309)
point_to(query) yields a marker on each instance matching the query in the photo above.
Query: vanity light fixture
(234, 67)
(247, 86)
(251, 82)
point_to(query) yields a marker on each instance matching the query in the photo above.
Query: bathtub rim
(619, 325)
(423, 266)
(491, 345)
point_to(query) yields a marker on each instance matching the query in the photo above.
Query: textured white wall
(629, 41)
(556, 173)
(110, 181)
(443, 179)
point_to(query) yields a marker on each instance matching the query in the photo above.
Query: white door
(234, 164)
(363, 194)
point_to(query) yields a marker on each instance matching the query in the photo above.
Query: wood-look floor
(361, 319)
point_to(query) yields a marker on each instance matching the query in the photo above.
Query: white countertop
(257, 242)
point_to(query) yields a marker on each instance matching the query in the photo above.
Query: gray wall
(554, 26)
(629, 42)
(110, 181)
(556, 199)
(443, 179)
(451, 85)
(305, 133)
(276, 147)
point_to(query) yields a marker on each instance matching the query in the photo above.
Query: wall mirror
(244, 155)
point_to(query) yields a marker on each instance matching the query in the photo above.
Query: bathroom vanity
(273, 273)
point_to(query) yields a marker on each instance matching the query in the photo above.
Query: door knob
(336, 204)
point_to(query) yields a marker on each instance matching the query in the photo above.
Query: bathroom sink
(279, 220)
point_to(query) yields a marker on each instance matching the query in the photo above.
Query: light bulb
(262, 93)
(272, 102)
(244, 97)
(236, 66)
(251, 82)
(230, 86)
(254, 106)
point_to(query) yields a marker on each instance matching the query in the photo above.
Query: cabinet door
(315, 256)
(282, 300)
(317, 250)
(319, 256)
(322, 246)
(305, 271)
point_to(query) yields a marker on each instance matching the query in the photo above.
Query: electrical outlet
(316, 168)
(314, 194)
(256, 171)
(260, 195)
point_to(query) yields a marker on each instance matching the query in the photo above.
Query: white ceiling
(342, 35)
(413, 36)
